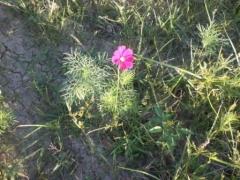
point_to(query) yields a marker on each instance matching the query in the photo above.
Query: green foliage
(117, 101)
(54, 13)
(84, 78)
(126, 78)
(88, 82)
(6, 117)
(210, 37)
(120, 98)
(160, 133)
(166, 131)
(170, 18)
(214, 116)
(11, 167)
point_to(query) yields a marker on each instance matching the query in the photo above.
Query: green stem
(179, 70)
(118, 86)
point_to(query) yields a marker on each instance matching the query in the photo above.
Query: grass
(176, 114)
(11, 166)
(6, 116)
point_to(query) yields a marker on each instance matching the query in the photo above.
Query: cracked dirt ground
(20, 57)
(17, 51)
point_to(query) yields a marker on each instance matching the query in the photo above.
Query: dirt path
(16, 52)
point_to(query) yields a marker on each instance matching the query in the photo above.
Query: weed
(11, 166)
(6, 116)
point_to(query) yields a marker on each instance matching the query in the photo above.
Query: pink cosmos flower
(123, 57)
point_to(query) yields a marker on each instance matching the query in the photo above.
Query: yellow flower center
(122, 59)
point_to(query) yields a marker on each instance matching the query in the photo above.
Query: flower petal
(121, 48)
(128, 52)
(115, 59)
(128, 64)
(117, 53)
(123, 57)
(129, 58)
(122, 66)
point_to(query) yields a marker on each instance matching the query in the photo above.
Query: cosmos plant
(89, 79)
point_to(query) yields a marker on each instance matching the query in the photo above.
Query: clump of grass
(6, 116)
(11, 166)
(214, 117)
(210, 37)
(50, 18)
